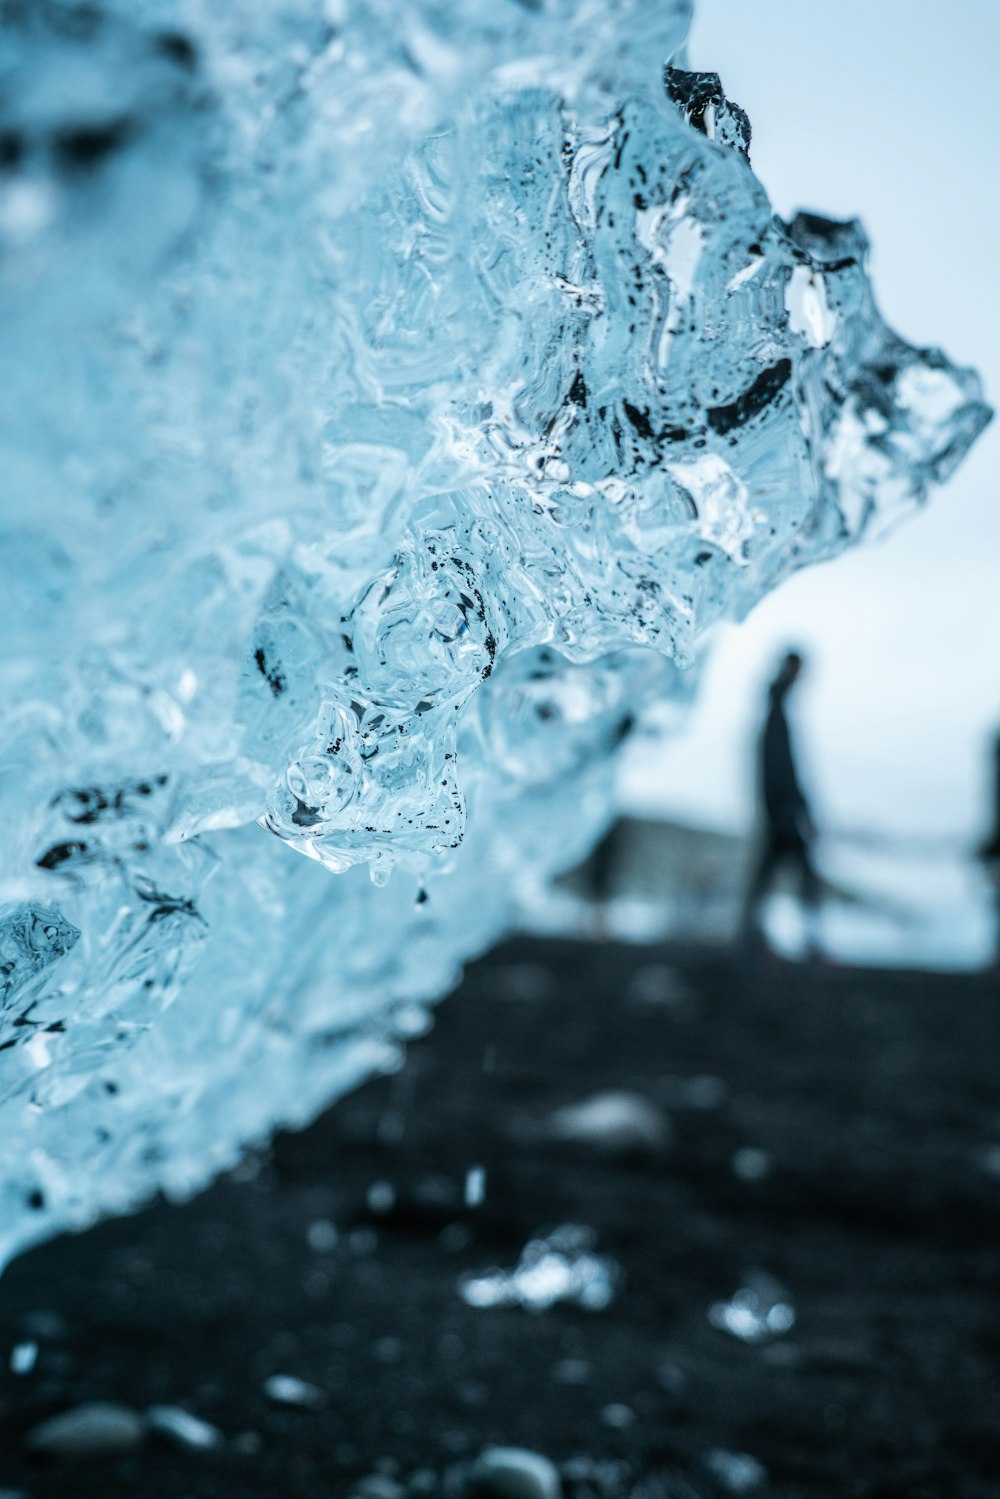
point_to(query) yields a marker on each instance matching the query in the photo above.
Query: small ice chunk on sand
(475, 1186)
(759, 1311)
(515, 1473)
(560, 1266)
(183, 1429)
(736, 1472)
(321, 1236)
(95, 1429)
(23, 1358)
(613, 1121)
(286, 1389)
(751, 1164)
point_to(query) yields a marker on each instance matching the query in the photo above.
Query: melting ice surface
(560, 1266)
(757, 1312)
(390, 395)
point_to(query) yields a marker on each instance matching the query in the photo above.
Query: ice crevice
(390, 398)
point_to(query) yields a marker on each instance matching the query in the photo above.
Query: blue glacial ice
(390, 395)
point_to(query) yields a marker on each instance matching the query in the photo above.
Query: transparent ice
(735, 1472)
(557, 1266)
(757, 1312)
(391, 392)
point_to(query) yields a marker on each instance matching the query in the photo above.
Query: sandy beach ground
(799, 1222)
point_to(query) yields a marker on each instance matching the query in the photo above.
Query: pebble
(285, 1389)
(737, 1472)
(381, 1197)
(23, 1358)
(475, 1186)
(515, 1473)
(455, 1237)
(247, 1443)
(376, 1486)
(607, 1476)
(423, 1481)
(321, 1236)
(183, 1429)
(435, 1190)
(750, 1164)
(89, 1430)
(46, 1324)
(705, 1091)
(671, 1376)
(615, 1121)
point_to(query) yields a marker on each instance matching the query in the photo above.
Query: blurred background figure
(603, 868)
(788, 830)
(989, 852)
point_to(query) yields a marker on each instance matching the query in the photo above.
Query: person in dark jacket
(989, 852)
(788, 826)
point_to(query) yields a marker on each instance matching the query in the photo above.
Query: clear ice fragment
(560, 1266)
(286, 1389)
(182, 1429)
(23, 1357)
(735, 1472)
(757, 1312)
(475, 1186)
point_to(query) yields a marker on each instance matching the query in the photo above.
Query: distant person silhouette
(788, 830)
(989, 852)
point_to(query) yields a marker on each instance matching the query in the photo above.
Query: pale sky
(884, 109)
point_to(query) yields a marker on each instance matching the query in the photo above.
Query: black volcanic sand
(877, 1099)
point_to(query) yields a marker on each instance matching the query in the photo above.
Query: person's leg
(811, 895)
(759, 884)
(993, 875)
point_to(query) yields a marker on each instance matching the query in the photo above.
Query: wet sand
(837, 1130)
